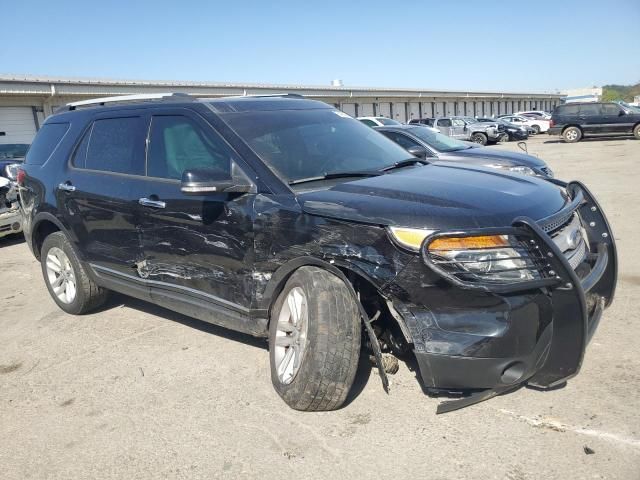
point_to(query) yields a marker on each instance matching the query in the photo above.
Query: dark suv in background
(577, 120)
(288, 219)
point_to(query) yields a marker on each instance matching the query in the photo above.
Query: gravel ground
(136, 391)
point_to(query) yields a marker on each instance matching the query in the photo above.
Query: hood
(437, 196)
(490, 154)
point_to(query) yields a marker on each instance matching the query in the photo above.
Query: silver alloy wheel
(291, 335)
(571, 135)
(60, 275)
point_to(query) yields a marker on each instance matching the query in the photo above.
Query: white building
(26, 101)
(592, 94)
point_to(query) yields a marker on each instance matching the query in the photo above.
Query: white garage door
(349, 108)
(16, 125)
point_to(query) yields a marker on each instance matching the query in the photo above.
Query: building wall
(45, 95)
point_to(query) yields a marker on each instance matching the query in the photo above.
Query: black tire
(572, 134)
(88, 295)
(536, 129)
(330, 357)
(505, 138)
(636, 131)
(480, 138)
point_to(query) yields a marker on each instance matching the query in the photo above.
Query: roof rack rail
(262, 95)
(126, 98)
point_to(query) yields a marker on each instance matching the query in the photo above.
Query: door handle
(66, 187)
(147, 202)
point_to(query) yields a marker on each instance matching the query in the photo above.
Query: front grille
(571, 239)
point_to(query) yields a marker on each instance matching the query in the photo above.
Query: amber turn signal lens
(469, 243)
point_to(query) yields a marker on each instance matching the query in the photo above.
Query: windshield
(438, 141)
(388, 121)
(13, 150)
(299, 144)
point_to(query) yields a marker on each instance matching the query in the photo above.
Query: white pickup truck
(537, 125)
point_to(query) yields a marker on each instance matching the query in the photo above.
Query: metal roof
(322, 90)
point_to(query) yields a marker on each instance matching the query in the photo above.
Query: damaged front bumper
(10, 221)
(492, 338)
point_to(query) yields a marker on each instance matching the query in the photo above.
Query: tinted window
(400, 139)
(568, 109)
(610, 109)
(370, 123)
(590, 110)
(80, 154)
(438, 141)
(116, 145)
(46, 142)
(177, 144)
(444, 122)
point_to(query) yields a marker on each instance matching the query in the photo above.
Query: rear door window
(113, 145)
(46, 141)
(444, 122)
(590, 110)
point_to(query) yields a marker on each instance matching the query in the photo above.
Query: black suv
(577, 120)
(288, 219)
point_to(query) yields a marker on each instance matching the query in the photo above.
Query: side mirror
(417, 151)
(621, 113)
(207, 181)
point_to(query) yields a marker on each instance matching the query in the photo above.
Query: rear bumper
(555, 131)
(475, 339)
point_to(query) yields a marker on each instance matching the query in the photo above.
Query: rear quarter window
(47, 140)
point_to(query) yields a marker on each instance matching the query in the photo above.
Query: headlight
(521, 169)
(490, 258)
(410, 238)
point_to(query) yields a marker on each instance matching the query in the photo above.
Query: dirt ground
(137, 392)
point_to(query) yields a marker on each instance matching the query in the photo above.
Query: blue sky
(511, 45)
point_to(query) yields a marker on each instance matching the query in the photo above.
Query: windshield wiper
(330, 175)
(404, 163)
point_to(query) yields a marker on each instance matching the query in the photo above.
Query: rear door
(95, 194)
(197, 249)
(591, 119)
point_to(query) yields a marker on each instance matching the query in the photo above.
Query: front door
(197, 249)
(615, 119)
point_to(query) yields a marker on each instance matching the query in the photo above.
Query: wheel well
(387, 327)
(569, 126)
(42, 231)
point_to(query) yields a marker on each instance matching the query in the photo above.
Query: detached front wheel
(314, 340)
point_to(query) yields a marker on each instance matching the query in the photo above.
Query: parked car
(378, 121)
(577, 120)
(434, 146)
(513, 131)
(465, 128)
(11, 155)
(537, 125)
(541, 114)
(288, 219)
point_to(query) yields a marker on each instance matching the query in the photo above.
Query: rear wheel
(314, 340)
(480, 138)
(66, 279)
(572, 134)
(636, 131)
(536, 129)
